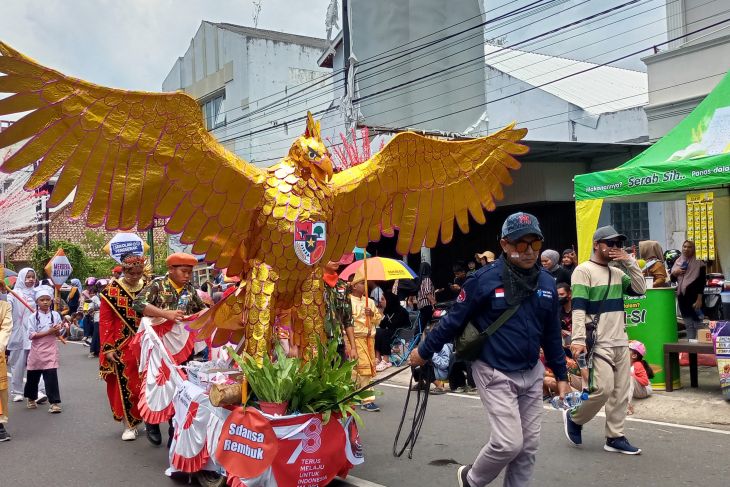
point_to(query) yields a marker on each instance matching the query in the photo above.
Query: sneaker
(621, 445)
(460, 390)
(461, 475)
(130, 434)
(42, 398)
(572, 430)
(18, 398)
(54, 409)
(4, 435)
(371, 407)
(383, 365)
(437, 391)
(85, 343)
(31, 405)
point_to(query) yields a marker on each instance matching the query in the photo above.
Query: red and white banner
(258, 450)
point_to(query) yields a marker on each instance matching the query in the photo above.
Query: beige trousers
(4, 406)
(609, 388)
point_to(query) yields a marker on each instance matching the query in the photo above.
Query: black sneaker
(461, 475)
(621, 445)
(4, 435)
(572, 430)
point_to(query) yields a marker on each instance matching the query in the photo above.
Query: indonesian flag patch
(461, 297)
(499, 293)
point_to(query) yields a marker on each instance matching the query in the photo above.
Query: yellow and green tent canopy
(694, 155)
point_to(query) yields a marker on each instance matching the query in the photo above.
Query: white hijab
(28, 293)
(19, 335)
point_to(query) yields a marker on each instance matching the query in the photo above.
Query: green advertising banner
(652, 320)
(686, 175)
(695, 154)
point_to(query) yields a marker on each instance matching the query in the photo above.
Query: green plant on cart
(272, 381)
(324, 384)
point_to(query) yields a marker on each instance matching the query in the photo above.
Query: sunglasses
(611, 243)
(521, 246)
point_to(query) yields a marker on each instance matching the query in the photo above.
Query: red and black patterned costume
(118, 324)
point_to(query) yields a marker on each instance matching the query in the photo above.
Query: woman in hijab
(550, 260)
(73, 299)
(689, 274)
(652, 253)
(395, 316)
(23, 303)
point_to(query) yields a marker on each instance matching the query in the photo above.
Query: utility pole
(346, 39)
(151, 243)
(47, 216)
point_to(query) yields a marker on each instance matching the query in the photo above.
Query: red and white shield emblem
(310, 240)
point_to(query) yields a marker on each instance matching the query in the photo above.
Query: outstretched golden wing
(420, 185)
(131, 156)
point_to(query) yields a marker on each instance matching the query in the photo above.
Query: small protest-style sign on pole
(126, 243)
(59, 269)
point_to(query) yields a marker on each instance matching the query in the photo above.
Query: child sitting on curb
(641, 373)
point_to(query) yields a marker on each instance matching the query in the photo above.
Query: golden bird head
(310, 154)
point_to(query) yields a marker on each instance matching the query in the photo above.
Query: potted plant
(272, 382)
(324, 384)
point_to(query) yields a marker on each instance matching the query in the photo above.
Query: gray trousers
(513, 401)
(17, 361)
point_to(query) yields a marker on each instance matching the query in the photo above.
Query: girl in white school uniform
(44, 327)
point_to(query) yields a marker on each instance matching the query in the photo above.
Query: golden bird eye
(313, 154)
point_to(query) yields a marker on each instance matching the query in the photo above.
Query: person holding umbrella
(366, 317)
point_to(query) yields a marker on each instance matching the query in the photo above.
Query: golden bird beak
(324, 168)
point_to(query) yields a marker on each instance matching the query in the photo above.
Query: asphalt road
(82, 446)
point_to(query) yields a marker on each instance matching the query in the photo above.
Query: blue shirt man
(509, 373)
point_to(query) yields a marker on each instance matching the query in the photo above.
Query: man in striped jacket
(598, 288)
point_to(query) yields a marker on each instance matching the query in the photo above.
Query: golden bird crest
(135, 156)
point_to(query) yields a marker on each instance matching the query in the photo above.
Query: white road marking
(601, 414)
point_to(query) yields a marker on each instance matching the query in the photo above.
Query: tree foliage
(101, 265)
(75, 253)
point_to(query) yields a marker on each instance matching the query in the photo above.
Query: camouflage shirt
(338, 313)
(161, 293)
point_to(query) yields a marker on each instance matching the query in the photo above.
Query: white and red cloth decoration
(189, 451)
(160, 373)
(178, 340)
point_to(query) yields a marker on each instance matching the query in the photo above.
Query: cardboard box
(704, 336)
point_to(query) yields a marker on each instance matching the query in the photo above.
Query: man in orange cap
(171, 297)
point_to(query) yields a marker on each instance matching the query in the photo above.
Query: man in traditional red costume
(119, 357)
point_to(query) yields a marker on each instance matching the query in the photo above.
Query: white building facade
(235, 71)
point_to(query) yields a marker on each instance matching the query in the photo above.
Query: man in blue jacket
(509, 373)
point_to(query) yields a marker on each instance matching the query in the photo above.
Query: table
(671, 357)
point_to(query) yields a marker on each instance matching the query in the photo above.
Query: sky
(133, 44)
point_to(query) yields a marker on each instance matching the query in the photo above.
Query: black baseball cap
(517, 225)
(608, 233)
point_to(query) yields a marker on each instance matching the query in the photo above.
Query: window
(214, 113)
(631, 219)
